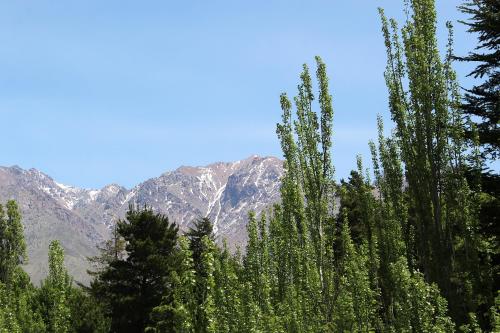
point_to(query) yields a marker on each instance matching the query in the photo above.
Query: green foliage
(55, 292)
(481, 108)
(441, 235)
(308, 225)
(228, 303)
(177, 310)
(8, 320)
(417, 306)
(132, 284)
(54, 307)
(112, 249)
(18, 307)
(12, 244)
(482, 101)
(202, 248)
(201, 227)
(193, 304)
(87, 315)
(355, 305)
(206, 284)
(495, 314)
(410, 251)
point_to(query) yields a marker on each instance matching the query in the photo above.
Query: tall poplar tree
(18, 306)
(227, 291)
(306, 144)
(425, 105)
(55, 292)
(12, 244)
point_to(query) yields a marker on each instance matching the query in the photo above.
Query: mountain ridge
(82, 218)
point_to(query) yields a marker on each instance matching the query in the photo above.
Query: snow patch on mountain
(223, 192)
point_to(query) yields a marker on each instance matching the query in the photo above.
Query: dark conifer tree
(132, 285)
(200, 236)
(483, 100)
(87, 315)
(201, 227)
(482, 107)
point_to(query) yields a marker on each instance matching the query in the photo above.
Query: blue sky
(95, 92)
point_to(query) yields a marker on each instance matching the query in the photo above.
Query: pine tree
(481, 107)
(201, 227)
(483, 100)
(87, 314)
(133, 284)
(111, 250)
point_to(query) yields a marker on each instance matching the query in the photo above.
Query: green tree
(355, 303)
(481, 107)
(307, 199)
(227, 291)
(18, 308)
(206, 284)
(111, 250)
(257, 274)
(201, 227)
(177, 309)
(133, 284)
(425, 105)
(55, 292)
(87, 314)
(19, 311)
(12, 244)
(8, 320)
(483, 100)
(201, 244)
(407, 302)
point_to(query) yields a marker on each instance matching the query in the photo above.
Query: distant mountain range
(81, 218)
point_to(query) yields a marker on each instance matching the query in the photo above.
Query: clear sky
(94, 92)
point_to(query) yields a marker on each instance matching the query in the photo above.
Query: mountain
(81, 219)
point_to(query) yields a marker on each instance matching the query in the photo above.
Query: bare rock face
(81, 218)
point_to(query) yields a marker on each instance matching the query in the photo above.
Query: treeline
(410, 246)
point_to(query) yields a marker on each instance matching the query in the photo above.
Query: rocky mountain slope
(81, 218)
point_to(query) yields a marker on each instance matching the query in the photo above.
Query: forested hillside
(408, 243)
